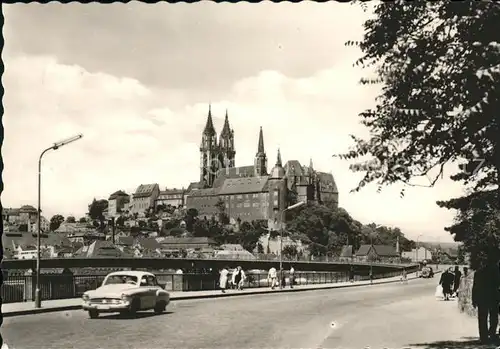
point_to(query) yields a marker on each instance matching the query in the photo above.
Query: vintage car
(427, 272)
(126, 292)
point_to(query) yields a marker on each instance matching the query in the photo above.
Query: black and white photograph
(251, 175)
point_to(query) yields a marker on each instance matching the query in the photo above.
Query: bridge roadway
(189, 263)
(377, 316)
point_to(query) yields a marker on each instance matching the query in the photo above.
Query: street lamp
(416, 252)
(282, 219)
(38, 300)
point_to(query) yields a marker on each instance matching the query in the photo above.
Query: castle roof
(244, 185)
(145, 190)
(205, 192)
(327, 182)
(233, 172)
(294, 168)
(117, 194)
(27, 208)
(194, 186)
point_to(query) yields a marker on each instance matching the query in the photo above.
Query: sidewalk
(27, 308)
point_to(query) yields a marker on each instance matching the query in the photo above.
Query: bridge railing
(20, 288)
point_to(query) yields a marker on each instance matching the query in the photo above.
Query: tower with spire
(227, 151)
(209, 152)
(260, 162)
(278, 190)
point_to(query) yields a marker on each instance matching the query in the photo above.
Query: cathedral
(251, 192)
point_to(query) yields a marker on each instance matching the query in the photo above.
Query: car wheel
(160, 307)
(134, 307)
(93, 314)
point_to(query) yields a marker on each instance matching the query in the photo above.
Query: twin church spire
(219, 152)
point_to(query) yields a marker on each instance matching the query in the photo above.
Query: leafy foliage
(55, 222)
(70, 219)
(477, 225)
(82, 220)
(96, 209)
(438, 64)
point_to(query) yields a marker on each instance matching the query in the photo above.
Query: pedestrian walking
(234, 284)
(456, 280)
(242, 279)
(404, 276)
(271, 276)
(223, 279)
(351, 274)
(291, 278)
(485, 296)
(446, 283)
(371, 276)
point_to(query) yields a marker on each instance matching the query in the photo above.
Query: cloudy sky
(137, 79)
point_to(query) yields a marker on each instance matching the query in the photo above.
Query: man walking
(485, 296)
(272, 277)
(446, 282)
(291, 277)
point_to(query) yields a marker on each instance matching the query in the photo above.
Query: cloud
(132, 137)
(204, 47)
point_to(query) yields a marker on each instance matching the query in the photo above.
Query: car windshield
(120, 279)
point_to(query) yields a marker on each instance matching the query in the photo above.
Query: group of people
(238, 277)
(237, 280)
(450, 281)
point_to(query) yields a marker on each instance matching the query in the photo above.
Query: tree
(460, 255)
(222, 215)
(55, 222)
(96, 209)
(190, 219)
(290, 251)
(250, 234)
(439, 66)
(82, 220)
(120, 221)
(70, 219)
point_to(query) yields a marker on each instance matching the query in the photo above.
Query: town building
(28, 213)
(145, 197)
(118, 203)
(250, 192)
(383, 253)
(418, 255)
(23, 215)
(173, 197)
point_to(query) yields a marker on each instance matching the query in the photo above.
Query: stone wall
(465, 295)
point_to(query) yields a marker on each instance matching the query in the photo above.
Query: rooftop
(145, 190)
(244, 185)
(117, 194)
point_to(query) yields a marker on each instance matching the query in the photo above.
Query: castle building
(250, 192)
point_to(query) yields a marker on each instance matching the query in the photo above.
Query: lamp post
(282, 219)
(38, 300)
(416, 253)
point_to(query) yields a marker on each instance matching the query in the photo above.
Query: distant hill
(444, 245)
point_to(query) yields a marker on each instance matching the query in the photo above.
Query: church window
(238, 205)
(247, 204)
(255, 204)
(239, 197)
(276, 203)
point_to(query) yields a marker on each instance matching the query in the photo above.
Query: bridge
(200, 263)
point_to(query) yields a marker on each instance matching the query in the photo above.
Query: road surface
(377, 316)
